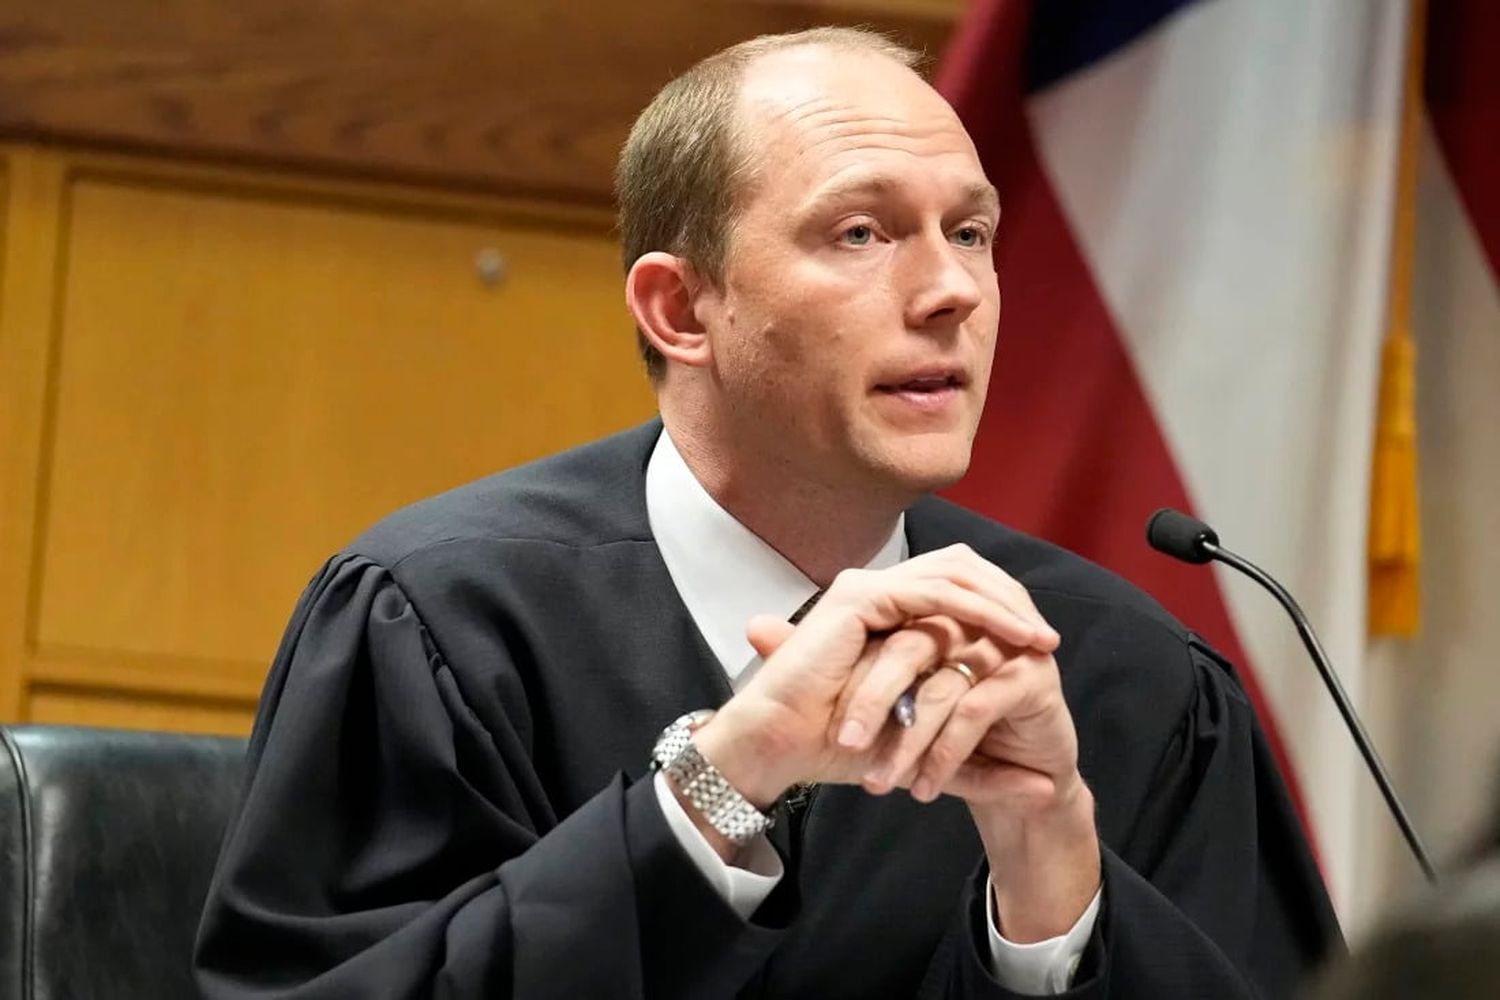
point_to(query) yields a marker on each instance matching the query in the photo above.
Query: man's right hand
(781, 728)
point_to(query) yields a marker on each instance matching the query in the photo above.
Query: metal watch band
(726, 810)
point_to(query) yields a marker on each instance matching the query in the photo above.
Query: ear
(660, 290)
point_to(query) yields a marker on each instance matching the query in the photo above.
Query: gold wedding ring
(964, 669)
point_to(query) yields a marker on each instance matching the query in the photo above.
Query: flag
(1438, 691)
(1194, 264)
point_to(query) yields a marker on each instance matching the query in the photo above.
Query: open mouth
(924, 395)
(923, 385)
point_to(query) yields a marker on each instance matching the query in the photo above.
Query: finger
(823, 648)
(888, 679)
(902, 656)
(887, 601)
(966, 726)
(857, 675)
(946, 632)
(1000, 783)
(964, 566)
(897, 762)
(767, 632)
(1010, 591)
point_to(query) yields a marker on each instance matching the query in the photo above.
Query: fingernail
(922, 790)
(852, 733)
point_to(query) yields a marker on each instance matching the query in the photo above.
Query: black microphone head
(1180, 536)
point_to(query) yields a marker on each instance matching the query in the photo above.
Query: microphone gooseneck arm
(1336, 689)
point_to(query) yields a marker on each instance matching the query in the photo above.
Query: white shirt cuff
(1046, 967)
(744, 886)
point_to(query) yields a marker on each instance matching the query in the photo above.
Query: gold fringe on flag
(1395, 543)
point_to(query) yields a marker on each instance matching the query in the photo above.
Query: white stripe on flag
(1230, 179)
(1437, 695)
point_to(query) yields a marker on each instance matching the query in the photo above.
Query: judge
(526, 739)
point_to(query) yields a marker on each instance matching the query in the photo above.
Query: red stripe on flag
(1463, 103)
(1069, 448)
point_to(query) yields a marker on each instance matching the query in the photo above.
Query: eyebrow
(979, 194)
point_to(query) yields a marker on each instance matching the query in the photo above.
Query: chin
(920, 467)
(933, 480)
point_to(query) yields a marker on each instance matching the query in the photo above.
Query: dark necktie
(807, 606)
(791, 812)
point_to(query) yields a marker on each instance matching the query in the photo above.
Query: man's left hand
(1009, 748)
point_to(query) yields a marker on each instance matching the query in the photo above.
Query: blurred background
(269, 270)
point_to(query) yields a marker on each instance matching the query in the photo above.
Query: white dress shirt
(725, 575)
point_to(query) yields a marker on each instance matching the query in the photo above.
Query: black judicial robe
(447, 794)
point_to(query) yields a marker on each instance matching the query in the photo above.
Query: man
(448, 792)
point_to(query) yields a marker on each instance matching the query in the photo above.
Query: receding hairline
(773, 110)
(750, 111)
(862, 41)
(746, 99)
(687, 165)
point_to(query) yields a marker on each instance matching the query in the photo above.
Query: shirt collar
(723, 571)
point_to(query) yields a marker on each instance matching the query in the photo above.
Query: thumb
(767, 632)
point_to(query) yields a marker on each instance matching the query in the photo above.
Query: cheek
(755, 368)
(775, 338)
(799, 336)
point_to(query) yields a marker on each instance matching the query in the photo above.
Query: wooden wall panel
(61, 706)
(514, 95)
(244, 381)
(214, 378)
(28, 269)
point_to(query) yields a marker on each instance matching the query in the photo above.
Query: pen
(905, 710)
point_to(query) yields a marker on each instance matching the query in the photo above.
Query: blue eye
(858, 236)
(969, 236)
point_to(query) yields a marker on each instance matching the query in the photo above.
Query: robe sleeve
(1212, 891)
(389, 845)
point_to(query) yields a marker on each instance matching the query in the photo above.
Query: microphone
(1174, 533)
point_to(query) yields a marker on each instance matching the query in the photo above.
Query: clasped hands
(819, 710)
(820, 707)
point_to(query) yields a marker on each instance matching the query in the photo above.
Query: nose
(943, 283)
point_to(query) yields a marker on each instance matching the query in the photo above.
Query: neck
(816, 527)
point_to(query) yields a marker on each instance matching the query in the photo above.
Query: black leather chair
(107, 842)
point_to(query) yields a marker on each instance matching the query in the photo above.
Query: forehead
(814, 113)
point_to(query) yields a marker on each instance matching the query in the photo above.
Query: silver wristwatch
(726, 810)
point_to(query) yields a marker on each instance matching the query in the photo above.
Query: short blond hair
(683, 168)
